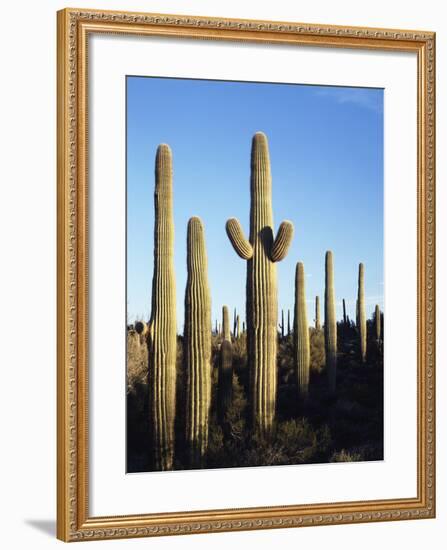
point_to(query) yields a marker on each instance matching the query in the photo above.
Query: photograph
(255, 312)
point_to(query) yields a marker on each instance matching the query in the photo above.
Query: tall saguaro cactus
(301, 333)
(262, 252)
(330, 322)
(163, 334)
(344, 312)
(226, 324)
(317, 313)
(197, 336)
(362, 313)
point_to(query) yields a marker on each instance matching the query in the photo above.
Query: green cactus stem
(262, 252)
(225, 380)
(301, 333)
(362, 312)
(162, 352)
(197, 338)
(330, 323)
(317, 313)
(377, 319)
(226, 324)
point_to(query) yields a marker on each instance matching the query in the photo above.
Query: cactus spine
(377, 323)
(330, 322)
(301, 333)
(361, 311)
(317, 313)
(226, 324)
(197, 335)
(261, 251)
(163, 334)
(225, 381)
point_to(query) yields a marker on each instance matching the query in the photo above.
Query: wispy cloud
(361, 97)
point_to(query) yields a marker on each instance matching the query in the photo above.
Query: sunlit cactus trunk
(197, 338)
(262, 252)
(362, 312)
(225, 380)
(163, 333)
(301, 333)
(330, 322)
(317, 313)
(226, 324)
(377, 322)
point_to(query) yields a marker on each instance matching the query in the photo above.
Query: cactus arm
(282, 242)
(236, 235)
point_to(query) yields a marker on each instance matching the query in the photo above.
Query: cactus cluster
(261, 251)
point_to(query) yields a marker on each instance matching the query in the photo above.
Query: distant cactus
(197, 338)
(262, 252)
(226, 324)
(243, 327)
(234, 323)
(330, 323)
(163, 335)
(344, 312)
(317, 313)
(225, 380)
(142, 330)
(362, 313)
(301, 333)
(288, 322)
(357, 316)
(238, 327)
(377, 319)
(282, 323)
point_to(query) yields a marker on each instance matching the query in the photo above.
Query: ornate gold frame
(74, 521)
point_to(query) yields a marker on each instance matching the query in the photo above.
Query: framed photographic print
(246, 274)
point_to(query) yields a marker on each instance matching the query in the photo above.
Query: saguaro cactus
(288, 322)
(301, 333)
(344, 312)
(330, 322)
(317, 313)
(163, 334)
(362, 313)
(377, 320)
(261, 251)
(197, 336)
(238, 327)
(226, 324)
(225, 380)
(282, 323)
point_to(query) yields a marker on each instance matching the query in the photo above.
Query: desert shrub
(346, 456)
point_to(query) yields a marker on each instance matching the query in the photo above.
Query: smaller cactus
(225, 380)
(238, 327)
(226, 324)
(362, 312)
(317, 313)
(330, 323)
(377, 324)
(301, 333)
(344, 312)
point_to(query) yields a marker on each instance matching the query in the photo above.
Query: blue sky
(326, 153)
